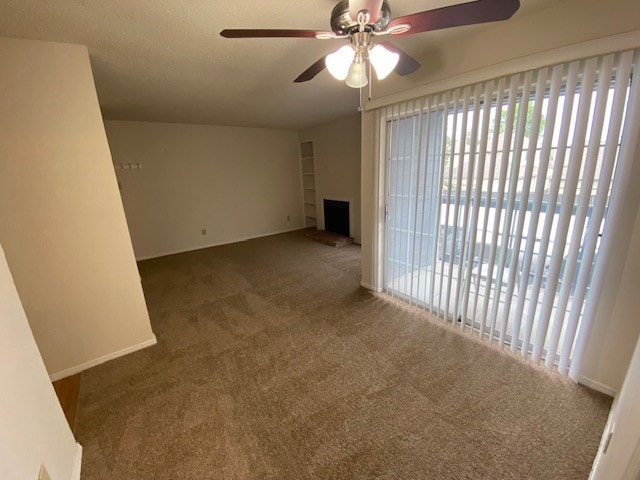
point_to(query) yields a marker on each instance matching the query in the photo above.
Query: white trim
(105, 358)
(370, 287)
(202, 247)
(589, 48)
(77, 464)
(598, 386)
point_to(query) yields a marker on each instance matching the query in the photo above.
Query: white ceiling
(164, 61)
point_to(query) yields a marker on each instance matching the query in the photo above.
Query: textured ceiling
(163, 60)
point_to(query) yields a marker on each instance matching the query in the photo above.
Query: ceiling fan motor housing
(361, 41)
(342, 23)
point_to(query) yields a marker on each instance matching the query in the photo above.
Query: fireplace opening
(336, 217)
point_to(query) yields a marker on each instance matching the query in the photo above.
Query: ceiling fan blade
(250, 33)
(480, 11)
(311, 72)
(373, 6)
(407, 64)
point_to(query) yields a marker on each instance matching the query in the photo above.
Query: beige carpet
(272, 363)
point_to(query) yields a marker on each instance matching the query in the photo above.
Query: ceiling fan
(363, 21)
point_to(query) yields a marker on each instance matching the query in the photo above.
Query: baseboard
(77, 464)
(105, 358)
(219, 244)
(370, 287)
(598, 386)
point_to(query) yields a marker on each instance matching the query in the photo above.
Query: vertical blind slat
(465, 250)
(456, 140)
(396, 219)
(392, 187)
(445, 308)
(425, 175)
(433, 185)
(445, 122)
(409, 159)
(386, 137)
(404, 215)
(459, 208)
(482, 155)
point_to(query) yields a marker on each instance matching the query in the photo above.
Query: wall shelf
(307, 169)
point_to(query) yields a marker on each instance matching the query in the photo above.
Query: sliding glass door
(497, 195)
(413, 170)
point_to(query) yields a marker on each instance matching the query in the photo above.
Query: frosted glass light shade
(338, 62)
(357, 77)
(383, 61)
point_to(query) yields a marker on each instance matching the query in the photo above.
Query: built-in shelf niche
(307, 168)
(309, 196)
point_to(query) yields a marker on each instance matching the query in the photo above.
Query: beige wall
(236, 183)
(564, 24)
(33, 429)
(337, 165)
(62, 223)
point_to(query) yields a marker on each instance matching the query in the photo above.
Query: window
(497, 195)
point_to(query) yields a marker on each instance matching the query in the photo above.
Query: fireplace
(336, 217)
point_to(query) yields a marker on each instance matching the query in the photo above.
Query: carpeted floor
(272, 363)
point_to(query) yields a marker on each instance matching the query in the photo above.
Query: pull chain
(370, 81)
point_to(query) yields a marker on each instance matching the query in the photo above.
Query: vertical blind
(498, 195)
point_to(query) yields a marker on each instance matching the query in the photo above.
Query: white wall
(62, 224)
(33, 429)
(563, 25)
(236, 183)
(337, 165)
(622, 458)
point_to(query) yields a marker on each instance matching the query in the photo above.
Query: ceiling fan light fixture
(357, 77)
(338, 62)
(383, 60)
